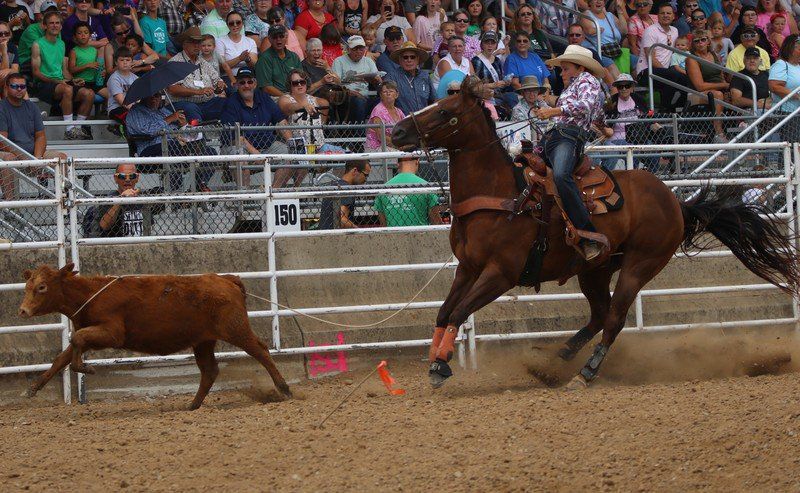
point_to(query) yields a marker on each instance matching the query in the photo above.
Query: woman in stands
(256, 25)
(525, 20)
(707, 78)
(454, 60)
(612, 32)
(490, 24)
(236, 49)
(8, 53)
(490, 69)
(522, 62)
(476, 13)
(784, 77)
(390, 15)
(277, 15)
(352, 17)
(427, 23)
(766, 9)
(387, 113)
(310, 21)
(637, 23)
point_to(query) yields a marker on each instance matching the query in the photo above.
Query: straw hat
(579, 56)
(422, 55)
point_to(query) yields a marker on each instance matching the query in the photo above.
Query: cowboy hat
(579, 56)
(532, 82)
(422, 55)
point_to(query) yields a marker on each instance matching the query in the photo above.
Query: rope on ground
(347, 397)
(362, 326)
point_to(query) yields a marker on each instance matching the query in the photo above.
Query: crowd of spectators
(311, 62)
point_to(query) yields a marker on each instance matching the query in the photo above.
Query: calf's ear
(27, 274)
(67, 271)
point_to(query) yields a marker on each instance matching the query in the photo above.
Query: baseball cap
(393, 32)
(489, 35)
(354, 41)
(47, 5)
(245, 72)
(276, 30)
(748, 30)
(752, 52)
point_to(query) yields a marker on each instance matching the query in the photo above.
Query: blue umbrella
(158, 79)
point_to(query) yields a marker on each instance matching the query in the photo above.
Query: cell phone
(124, 10)
(387, 9)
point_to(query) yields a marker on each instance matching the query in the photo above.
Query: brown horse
(492, 249)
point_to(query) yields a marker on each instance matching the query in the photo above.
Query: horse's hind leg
(594, 285)
(462, 282)
(636, 271)
(490, 284)
(204, 357)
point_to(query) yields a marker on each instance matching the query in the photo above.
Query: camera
(124, 10)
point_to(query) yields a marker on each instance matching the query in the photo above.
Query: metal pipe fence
(266, 199)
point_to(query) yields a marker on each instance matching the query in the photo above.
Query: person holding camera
(53, 81)
(387, 18)
(201, 94)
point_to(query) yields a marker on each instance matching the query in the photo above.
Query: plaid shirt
(582, 102)
(554, 20)
(244, 7)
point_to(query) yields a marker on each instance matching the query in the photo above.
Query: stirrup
(591, 249)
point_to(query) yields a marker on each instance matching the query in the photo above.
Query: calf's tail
(751, 232)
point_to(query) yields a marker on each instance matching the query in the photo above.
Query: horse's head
(448, 123)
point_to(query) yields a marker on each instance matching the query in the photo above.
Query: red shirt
(332, 52)
(307, 22)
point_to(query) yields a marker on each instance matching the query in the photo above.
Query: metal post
(75, 257)
(675, 157)
(473, 350)
(193, 188)
(383, 148)
(794, 211)
(271, 261)
(639, 310)
(629, 159)
(66, 379)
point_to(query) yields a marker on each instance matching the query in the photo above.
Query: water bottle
(99, 79)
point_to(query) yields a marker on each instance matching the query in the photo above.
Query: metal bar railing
(652, 77)
(579, 14)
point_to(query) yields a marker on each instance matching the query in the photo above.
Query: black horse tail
(758, 242)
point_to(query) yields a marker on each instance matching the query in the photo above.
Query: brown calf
(147, 314)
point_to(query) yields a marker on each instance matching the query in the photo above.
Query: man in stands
(199, 95)
(662, 32)
(352, 65)
(750, 39)
(275, 63)
(21, 123)
(684, 24)
(393, 39)
(54, 82)
(120, 220)
(747, 21)
(742, 91)
(576, 36)
(408, 210)
(214, 23)
(415, 90)
(252, 107)
(338, 213)
(30, 35)
(556, 21)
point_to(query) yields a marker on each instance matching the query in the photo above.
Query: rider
(578, 110)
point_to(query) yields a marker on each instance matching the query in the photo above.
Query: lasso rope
(361, 326)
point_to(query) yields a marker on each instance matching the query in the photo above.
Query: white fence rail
(66, 203)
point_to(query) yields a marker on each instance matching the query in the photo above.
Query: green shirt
(272, 70)
(31, 34)
(406, 210)
(84, 55)
(52, 55)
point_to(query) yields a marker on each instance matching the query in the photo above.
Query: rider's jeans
(560, 147)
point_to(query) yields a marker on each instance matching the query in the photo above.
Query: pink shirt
(652, 35)
(636, 25)
(380, 111)
(426, 29)
(763, 23)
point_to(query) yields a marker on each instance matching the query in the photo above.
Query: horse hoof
(577, 383)
(566, 354)
(438, 373)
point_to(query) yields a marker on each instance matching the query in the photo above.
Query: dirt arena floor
(717, 412)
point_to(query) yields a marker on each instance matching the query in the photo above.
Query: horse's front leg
(464, 279)
(490, 284)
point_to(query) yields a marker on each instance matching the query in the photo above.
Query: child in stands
(208, 50)
(370, 36)
(777, 23)
(142, 63)
(447, 30)
(679, 61)
(719, 43)
(83, 61)
(118, 84)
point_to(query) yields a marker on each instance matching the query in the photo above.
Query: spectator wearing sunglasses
(119, 220)
(749, 39)
(747, 22)
(637, 23)
(16, 16)
(624, 105)
(275, 63)
(236, 49)
(706, 78)
(684, 23)
(21, 122)
(413, 84)
(9, 63)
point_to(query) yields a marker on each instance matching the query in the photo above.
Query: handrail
(652, 77)
(752, 126)
(27, 155)
(579, 14)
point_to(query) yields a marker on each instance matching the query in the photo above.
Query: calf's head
(44, 290)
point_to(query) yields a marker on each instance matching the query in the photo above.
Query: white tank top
(463, 67)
